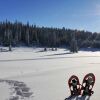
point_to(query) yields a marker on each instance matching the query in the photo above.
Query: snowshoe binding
(87, 84)
(74, 85)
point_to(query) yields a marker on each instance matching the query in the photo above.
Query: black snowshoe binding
(87, 85)
(74, 86)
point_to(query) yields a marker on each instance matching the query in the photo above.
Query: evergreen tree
(18, 33)
(73, 44)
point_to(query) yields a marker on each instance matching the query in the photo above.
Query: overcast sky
(74, 14)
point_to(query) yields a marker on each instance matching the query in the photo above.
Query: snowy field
(44, 75)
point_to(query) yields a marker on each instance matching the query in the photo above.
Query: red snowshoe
(74, 85)
(87, 85)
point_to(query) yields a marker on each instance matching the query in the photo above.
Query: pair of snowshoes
(84, 89)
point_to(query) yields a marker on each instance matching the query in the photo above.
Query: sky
(73, 14)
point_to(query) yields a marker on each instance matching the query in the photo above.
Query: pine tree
(10, 47)
(27, 37)
(73, 44)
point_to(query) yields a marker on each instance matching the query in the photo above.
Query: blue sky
(74, 14)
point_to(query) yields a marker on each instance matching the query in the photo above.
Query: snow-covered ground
(47, 73)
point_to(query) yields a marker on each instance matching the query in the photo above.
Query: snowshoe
(87, 84)
(74, 86)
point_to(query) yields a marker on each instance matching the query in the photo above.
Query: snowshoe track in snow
(19, 90)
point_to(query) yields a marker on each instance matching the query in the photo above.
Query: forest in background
(18, 34)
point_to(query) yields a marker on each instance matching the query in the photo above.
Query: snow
(4, 91)
(47, 73)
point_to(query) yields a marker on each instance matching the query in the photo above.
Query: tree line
(17, 34)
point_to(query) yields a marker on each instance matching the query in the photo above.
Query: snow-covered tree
(73, 44)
